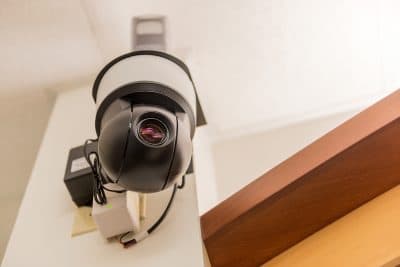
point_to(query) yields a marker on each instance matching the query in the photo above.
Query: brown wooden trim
(367, 236)
(334, 175)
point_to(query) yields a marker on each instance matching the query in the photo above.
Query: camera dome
(145, 120)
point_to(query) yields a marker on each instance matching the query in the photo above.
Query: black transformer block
(78, 176)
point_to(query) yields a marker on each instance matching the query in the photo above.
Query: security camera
(147, 111)
(146, 115)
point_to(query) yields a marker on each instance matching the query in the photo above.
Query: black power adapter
(78, 176)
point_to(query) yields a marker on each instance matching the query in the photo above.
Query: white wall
(204, 169)
(23, 120)
(275, 60)
(240, 160)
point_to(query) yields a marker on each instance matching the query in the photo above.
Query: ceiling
(257, 64)
(45, 44)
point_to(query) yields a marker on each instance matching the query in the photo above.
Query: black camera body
(147, 112)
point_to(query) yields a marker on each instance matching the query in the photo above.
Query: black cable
(87, 155)
(164, 214)
(182, 185)
(92, 159)
(142, 235)
(99, 189)
(100, 196)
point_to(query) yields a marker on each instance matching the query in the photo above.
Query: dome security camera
(147, 112)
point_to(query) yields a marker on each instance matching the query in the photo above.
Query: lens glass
(152, 131)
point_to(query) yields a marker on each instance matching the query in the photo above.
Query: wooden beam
(347, 167)
(367, 236)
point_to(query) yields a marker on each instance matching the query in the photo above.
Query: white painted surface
(41, 236)
(204, 168)
(241, 160)
(389, 34)
(277, 60)
(23, 121)
(45, 44)
(268, 60)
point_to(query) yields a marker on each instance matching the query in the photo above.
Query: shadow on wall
(23, 119)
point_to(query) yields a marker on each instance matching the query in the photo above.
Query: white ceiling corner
(44, 44)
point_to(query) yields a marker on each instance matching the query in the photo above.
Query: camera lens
(152, 131)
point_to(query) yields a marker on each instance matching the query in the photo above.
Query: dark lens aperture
(152, 131)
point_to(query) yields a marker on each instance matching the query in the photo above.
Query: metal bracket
(149, 33)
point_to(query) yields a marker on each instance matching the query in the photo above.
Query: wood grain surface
(342, 170)
(366, 237)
